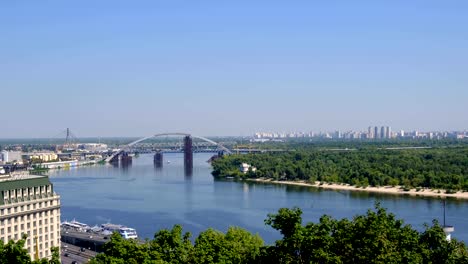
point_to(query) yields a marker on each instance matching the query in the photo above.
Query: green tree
(14, 252)
(236, 246)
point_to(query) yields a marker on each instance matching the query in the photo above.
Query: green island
(443, 165)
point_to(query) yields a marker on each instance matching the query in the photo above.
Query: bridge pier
(125, 159)
(158, 159)
(188, 155)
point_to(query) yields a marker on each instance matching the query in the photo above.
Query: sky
(135, 68)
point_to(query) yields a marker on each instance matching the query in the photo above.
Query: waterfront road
(70, 253)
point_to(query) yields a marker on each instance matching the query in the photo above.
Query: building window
(2, 231)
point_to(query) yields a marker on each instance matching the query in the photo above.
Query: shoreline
(395, 190)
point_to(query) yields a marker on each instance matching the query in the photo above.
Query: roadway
(70, 253)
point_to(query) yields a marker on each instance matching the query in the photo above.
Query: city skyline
(220, 69)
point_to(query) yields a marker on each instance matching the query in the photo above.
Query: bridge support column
(158, 159)
(188, 155)
(125, 159)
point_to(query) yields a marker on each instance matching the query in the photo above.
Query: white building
(244, 168)
(93, 146)
(28, 205)
(11, 156)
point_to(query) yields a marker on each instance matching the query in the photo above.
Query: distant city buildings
(372, 132)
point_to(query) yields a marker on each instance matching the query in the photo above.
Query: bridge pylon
(158, 159)
(188, 153)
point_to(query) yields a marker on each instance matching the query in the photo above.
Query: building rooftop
(19, 175)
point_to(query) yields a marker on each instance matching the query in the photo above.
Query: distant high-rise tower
(376, 132)
(388, 132)
(370, 132)
(382, 132)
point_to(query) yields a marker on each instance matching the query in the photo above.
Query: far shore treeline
(440, 167)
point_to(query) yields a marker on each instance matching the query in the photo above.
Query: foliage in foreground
(440, 168)
(15, 253)
(376, 237)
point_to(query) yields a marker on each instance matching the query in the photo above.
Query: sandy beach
(397, 190)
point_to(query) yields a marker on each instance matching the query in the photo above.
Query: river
(149, 199)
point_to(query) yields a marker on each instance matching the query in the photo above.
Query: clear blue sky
(130, 68)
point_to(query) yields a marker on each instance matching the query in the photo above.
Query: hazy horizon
(128, 69)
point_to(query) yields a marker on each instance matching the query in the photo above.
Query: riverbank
(396, 190)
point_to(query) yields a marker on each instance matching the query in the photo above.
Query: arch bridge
(188, 143)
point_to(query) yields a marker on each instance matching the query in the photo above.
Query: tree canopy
(15, 253)
(374, 237)
(438, 168)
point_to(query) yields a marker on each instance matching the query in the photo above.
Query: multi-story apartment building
(28, 205)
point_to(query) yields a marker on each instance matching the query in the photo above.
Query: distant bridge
(128, 146)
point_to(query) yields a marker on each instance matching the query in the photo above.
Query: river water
(148, 199)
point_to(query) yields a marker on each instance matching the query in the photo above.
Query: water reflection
(188, 170)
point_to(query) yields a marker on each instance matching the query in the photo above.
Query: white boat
(125, 232)
(75, 225)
